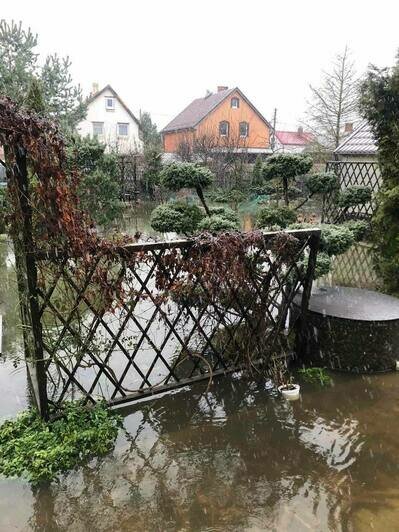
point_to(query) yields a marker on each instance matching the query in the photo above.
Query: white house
(111, 121)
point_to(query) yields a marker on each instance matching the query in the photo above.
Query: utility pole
(273, 132)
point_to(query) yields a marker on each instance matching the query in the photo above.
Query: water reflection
(235, 458)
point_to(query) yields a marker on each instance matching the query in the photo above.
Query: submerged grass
(38, 451)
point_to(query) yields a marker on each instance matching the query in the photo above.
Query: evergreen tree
(380, 105)
(151, 136)
(257, 178)
(18, 60)
(22, 79)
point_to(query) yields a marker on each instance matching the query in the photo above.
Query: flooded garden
(234, 456)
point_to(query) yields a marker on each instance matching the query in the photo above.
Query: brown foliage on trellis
(213, 294)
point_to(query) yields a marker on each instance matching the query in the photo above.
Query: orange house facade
(225, 119)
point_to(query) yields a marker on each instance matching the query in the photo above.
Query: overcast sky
(160, 54)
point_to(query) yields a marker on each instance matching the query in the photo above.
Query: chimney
(222, 88)
(300, 131)
(349, 127)
(94, 88)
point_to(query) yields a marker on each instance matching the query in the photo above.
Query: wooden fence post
(25, 262)
(302, 330)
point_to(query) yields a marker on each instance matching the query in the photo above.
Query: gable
(109, 91)
(200, 108)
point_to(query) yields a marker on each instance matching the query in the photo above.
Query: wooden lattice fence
(352, 173)
(156, 340)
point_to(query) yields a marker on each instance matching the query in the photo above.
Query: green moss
(37, 450)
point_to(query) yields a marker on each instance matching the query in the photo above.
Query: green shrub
(178, 217)
(39, 450)
(226, 212)
(354, 195)
(176, 176)
(323, 264)
(216, 223)
(275, 216)
(358, 228)
(286, 166)
(334, 239)
(322, 183)
(263, 190)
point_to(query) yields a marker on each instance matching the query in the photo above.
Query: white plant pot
(291, 395)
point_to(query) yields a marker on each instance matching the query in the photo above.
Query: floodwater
(235, 457)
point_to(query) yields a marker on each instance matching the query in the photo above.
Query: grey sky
(159, 55)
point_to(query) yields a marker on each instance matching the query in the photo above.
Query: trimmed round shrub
(176, 217)
(226, 212)
(334, 239)
(216, 223)
(176, 176)
(323, 264)
(358, 228)
(322, 183)
(275, 216)
(355, 195)
(286, 165)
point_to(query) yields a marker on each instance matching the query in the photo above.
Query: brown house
(227, 118)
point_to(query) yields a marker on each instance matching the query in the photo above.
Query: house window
(244, 129)
(123, 130)
(98, 128)
(224, 129)
(110, 103)
(235, 103)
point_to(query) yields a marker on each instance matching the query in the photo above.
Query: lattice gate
(352, 173)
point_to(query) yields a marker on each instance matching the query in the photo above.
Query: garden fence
(153, 340)
(352, 173)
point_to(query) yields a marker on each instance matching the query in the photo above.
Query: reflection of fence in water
(354, 268)
(149, 344)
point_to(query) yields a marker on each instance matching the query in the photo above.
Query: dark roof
(198, 109)
(360, 142)
(92, 97)
(295, 138)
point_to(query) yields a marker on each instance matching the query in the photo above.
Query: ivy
(39, 451)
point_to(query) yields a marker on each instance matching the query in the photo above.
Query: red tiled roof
(295, 138)
(196, 111)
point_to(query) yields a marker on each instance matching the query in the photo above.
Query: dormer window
(110, 103)
(244, 129)
(224, 129)
(235, 103)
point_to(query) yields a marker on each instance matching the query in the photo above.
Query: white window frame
(236, 101)
(94, 124)
(228, 128)
(122, 124)
(110, 107)
(246, 130)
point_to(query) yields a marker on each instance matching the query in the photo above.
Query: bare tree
(226, 156)
(335, 102)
